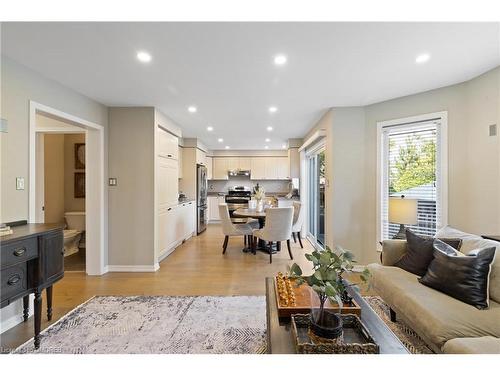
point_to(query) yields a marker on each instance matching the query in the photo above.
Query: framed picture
(79, 155)
(79, 185)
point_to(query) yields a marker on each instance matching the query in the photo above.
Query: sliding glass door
(316, 196)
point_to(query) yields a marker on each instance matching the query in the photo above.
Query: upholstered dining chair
(230, 229)
(298, 222)
(278, 228)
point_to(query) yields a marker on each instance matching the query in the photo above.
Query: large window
(412, 164)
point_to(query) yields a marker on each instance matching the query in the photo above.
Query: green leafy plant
(329, 267)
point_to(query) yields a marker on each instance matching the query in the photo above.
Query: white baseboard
(12, 322)
(143, 268)
(166, 252)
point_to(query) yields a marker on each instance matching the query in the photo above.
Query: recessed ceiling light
(210, 128)
(283, 146)
(268, 140)
(269, 128)
(273, 109)
(227, 147)
(280, 60)
(192, 109)
(143, 56)
(220, 140)
(422, 58)
(266, 147)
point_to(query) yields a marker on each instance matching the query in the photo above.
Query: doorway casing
(96, 217)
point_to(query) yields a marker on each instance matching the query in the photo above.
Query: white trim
(318, 134)
(143, 268)
(443, 160)
(96, 218)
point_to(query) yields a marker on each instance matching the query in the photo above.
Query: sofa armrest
(392, 251)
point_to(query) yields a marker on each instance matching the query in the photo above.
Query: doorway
(90, 180)
(316, 196)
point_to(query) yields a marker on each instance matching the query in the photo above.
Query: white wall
(19, 85)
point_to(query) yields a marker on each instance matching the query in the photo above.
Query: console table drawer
(19, 251)
(13, 281)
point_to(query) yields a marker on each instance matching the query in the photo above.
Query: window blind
(411, 168)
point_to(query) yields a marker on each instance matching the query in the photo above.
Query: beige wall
(54, 179)
(473, 161)
(70, 202)
(131, 202)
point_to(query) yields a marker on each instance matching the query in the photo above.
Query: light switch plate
(493, 130)
(19, 183)
(112, 181)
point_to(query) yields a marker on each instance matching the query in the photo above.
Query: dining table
(252, 213)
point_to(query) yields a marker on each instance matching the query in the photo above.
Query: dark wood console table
(494, 237)
(32, 259)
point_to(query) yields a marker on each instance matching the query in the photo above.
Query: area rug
(158, 324)
(405, 334)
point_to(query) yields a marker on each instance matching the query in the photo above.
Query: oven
(238, 197)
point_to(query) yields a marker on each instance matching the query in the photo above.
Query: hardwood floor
(197, 267)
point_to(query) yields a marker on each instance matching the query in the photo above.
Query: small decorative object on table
(259, 194)
(327, 281)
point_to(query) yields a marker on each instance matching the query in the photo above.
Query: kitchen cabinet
(271, 168)
(232, 164)
(168, 190)
(213, 207)
(258, 168)
(209, 167)
(168, 144)
(220, 169)
(282, 168)
(175, 225)
(245, 164)
(179, 163)
(201, 157)
(294, 160)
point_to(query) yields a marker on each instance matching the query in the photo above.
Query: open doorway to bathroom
(60, 189)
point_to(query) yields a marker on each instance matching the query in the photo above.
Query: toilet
(75, 227)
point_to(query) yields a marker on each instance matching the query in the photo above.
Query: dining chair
(278, 228)
(230, 229)
(298, 222)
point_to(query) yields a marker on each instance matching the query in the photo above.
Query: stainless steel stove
(238, 197)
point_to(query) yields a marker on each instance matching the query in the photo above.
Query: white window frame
(442, 150)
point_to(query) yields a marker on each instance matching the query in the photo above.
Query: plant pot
(331, 328)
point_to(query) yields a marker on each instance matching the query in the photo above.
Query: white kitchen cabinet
(220, 169)
(232, 164)
(175, 225)
(168, 190)
(282, 168)
(271, 168)
(245, 164)
(294, 161)
(168, 144)
(258, 168)
(213, 207)
(201, 157)
(179, 162)
(209, 167)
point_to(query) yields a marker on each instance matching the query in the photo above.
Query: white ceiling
(226, 69)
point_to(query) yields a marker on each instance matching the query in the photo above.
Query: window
(412, 163)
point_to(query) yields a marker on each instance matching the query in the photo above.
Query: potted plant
(259, 195)
(329, 267)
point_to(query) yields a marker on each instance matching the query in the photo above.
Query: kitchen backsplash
(271, 186)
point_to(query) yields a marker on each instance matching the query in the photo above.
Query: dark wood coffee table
(279, 336)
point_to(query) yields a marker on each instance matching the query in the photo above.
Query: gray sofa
(446, 324)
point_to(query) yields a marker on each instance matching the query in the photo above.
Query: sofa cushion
(419, 254)
(473, 345)
(462, 277)
(472, 242)
(435, 316)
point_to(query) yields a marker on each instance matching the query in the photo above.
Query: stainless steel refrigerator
(201, 198)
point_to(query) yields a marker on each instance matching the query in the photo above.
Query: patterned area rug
(405, 334)
(158, 324)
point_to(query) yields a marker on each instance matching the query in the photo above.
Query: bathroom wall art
(79, 185)
(79, 155)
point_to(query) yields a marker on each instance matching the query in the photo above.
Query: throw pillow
(418, 254)
(462, 277)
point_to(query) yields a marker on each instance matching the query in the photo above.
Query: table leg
(48, 291)
(26, 307)
(38, 317)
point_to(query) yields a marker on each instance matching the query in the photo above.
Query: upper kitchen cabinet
(294, 159)
(168, 144)
(258, 168)
(220, 169)
(271, 168)
(233, 164)
(209, 167)
(245, 164)
(201, 157)
(282, 168)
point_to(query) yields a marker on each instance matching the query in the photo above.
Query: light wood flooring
(197, 267)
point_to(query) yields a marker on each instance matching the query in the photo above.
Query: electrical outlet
(19, 183)
(493, 130)
(112, 181)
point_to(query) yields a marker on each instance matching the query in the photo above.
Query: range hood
(238, 173)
